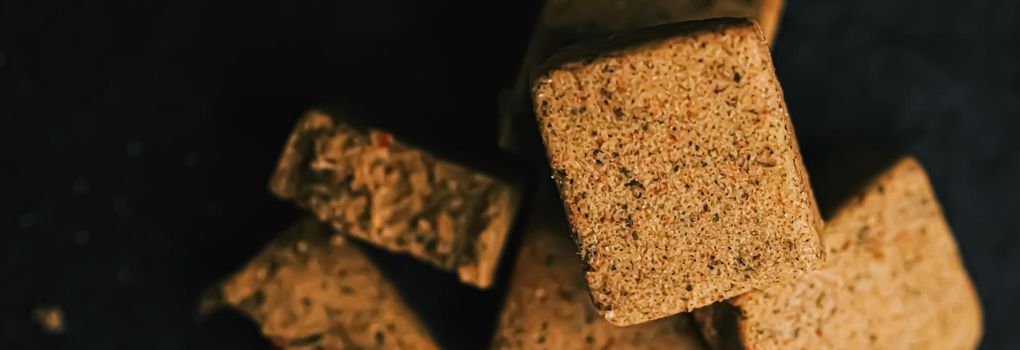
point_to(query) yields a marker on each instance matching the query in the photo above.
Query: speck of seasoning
(134, 149)
(380, 338)
(605, 93)
(618, 112)
(704, 164)
(881, 189)
(629, 221)
(633, 235)
(676, 168)
(689, 288)
(541, 339)
(380, 139)
(616, 154)
(625, 172)
(51, 318)
(559, 175)
(736, 77)
(347, 290)
(634, 183)
(715, 217)
(80, 186)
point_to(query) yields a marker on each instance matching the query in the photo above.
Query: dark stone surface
(137, 139)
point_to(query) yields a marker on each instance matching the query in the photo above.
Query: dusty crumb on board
(51, 318)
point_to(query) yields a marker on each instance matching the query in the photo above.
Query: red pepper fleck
(381, 139)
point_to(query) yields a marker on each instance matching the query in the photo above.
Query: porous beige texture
(547, 306)
(893, 280)
(678, 167)
(373, 187)
(564, 22)
(309, 291)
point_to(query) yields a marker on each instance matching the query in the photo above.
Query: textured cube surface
(373, 187)
(893, 280)
(564, 22)
(678, 167)
(309, 291)
(548, 306)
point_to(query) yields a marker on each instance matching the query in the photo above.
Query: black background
(137, 139)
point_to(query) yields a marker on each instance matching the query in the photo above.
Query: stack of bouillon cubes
(685, 218)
